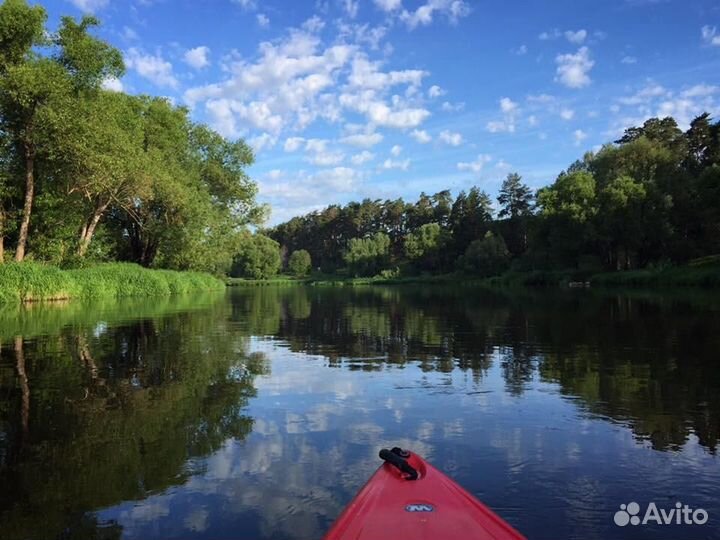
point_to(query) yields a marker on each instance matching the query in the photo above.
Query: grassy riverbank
(31, 282)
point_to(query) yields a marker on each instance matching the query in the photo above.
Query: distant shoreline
(702, 274)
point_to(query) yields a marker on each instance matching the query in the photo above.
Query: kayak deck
(391, 506)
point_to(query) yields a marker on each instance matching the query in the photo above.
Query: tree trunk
(2, 235)
(88, 229)
(24, 390)
(29, 198)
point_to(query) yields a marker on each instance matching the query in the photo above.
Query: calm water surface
(259, 413)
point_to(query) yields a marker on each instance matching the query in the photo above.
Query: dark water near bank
(259, 414)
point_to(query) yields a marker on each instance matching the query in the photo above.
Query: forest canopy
(86, 173)
(650, 198)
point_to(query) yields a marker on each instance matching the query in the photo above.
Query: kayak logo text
(629, 514)
(419, 508)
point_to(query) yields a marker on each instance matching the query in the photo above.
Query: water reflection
(650, 362)
(114, 413)
(259, 414)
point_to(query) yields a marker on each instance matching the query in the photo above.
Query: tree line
(86, 173)
(650, 198)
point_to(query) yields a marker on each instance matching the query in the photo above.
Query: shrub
(368, 256)
(258, 258)
(299, 264)
(486, 257)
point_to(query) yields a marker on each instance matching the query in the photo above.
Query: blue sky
(348, 99)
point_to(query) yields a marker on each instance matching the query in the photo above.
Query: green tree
(567, 209)
(36, 90)
(516, 199)
(485, 257)
(368, 256)
(258, 258)
(470, 218)
(425, 246)
(299, 264)
(104, 163)
(620, 220)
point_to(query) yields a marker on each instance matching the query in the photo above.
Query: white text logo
(681, 514)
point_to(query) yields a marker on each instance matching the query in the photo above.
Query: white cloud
(532, 120)
(452, 107)
(363, 140)
(292, 144)
(379, 113)
(567, 114)
(388, 5)
(362, 34)
(246, 4)
(402, 165)
(113, 84)
(628, 60)
(313, 25)
(421, 136)
(325, 159)
(362, 157)
(423, 15)
(288, 84)
(656, 100)
(700, 90)
(521, 50)
(262, 20)
(366, 74)
(503, 165)
(89, 6)
(579, 136)
(576, 37)
(351, 8)
(198, 57)
(435, 91)
(151, 67)
(129, 34)
(262, 142)
(318, 153)
(685, 108)
(644, 95)
(448, 137)
(553, 34)
(540, 98)
(573, 69)
(289, 193)
(710, 35)
(510, 110)
(475, 166)
(507, 105)
(396, 150)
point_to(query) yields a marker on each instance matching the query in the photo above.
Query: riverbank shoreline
(704, 273)
(26, 283)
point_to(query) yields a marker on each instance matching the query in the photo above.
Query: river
(259, 412)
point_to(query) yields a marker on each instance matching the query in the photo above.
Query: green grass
(32, 282)
(278, 280)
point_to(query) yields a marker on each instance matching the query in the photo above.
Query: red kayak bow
(407, 498)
